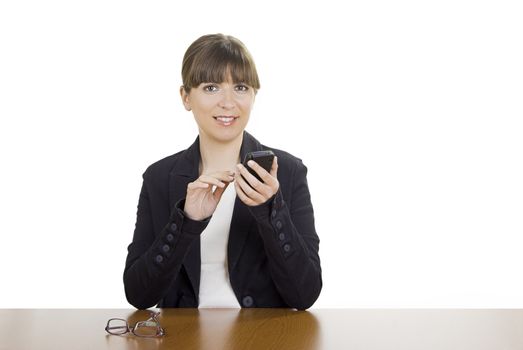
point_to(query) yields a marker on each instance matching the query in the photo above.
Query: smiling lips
(225, 120)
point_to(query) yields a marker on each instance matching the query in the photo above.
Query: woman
(208, 233)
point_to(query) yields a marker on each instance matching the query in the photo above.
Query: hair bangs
(219, 61)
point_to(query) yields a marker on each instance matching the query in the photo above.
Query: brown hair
(213, 57)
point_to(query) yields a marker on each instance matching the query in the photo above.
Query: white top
(215, 286)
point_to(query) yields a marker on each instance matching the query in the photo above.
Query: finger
(263, 188)
(211, 180)
(254, 182)
(248, 190)
(269, 179)
(274, 168)
(217, 194)
(262, 173)
(225, 176)
(196, 185)
(243, 197)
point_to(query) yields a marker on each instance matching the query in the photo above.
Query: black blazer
(272, 255)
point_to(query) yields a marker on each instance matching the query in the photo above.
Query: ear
(185, 98)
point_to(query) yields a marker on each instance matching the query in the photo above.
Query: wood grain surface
(217, 329)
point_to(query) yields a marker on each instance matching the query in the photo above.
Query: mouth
(225, 120)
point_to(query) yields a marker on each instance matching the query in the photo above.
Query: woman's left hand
(258, 192)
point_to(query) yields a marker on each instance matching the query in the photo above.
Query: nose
(227, 100)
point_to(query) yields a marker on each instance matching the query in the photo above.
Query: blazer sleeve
(291, 242)
(154, 259)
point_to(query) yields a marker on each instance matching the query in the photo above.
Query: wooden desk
(268, 329)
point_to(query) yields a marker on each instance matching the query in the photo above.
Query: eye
(242, 87)
(210, 88)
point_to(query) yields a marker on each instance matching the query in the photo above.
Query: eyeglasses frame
(151, 321)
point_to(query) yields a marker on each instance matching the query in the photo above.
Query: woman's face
(221, 110)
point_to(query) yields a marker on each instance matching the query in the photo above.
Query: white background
(408, 115)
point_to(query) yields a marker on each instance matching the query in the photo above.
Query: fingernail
(250, 162)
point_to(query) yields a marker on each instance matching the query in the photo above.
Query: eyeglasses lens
(146, 329)
(116, 326)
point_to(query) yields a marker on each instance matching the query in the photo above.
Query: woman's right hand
(201, 201)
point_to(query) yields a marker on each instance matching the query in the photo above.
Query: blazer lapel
(242, 219)
(186, 171)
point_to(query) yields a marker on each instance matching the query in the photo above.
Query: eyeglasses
(149, 328)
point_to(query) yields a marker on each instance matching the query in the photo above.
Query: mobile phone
(263, 158)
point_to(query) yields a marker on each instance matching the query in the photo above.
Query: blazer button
(166, 248)
(273, 214)
(159, 259)
(281, 236)
(173, 227)
(248, 301)
(287, 248)
(279, 225)
(170, 237)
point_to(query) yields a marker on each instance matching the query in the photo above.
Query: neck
(219, 156)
